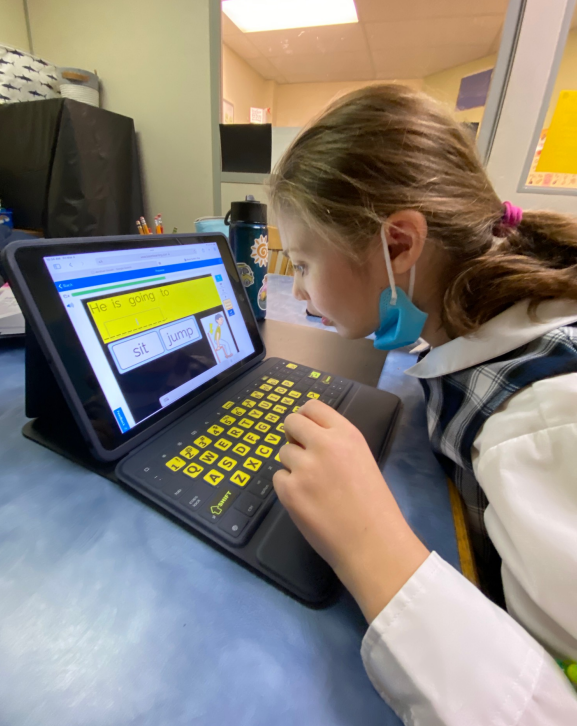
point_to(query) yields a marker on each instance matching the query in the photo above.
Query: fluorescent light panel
(252, 16)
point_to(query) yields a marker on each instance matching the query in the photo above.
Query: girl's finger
(320, 413)
(291, 456)
(300, 430)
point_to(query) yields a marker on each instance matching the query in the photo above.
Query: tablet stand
(52, 424)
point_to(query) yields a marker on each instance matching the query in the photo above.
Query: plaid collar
(502, 334)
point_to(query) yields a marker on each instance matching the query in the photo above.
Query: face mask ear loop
(412, 282)
(389, 266)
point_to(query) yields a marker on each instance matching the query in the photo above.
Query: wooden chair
(277, 262)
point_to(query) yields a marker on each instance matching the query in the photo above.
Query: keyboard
(217, 471)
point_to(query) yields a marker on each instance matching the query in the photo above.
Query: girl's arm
(437, 650)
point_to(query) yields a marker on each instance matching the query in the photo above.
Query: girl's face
(341, 290)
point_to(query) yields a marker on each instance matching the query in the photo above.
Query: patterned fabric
(458, 404)
(23, 77)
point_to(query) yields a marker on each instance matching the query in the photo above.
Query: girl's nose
(298, 291)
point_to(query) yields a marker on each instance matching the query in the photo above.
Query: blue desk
(113, 615)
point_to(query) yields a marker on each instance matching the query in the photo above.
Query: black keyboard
(219, 470)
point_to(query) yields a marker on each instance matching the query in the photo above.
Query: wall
(244, 87)
(298, 103)
(444, 86)
(153, 60)
(13, 24)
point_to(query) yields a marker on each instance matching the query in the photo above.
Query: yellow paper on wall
(559, 153)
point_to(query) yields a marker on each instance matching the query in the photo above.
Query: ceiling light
(256, 15)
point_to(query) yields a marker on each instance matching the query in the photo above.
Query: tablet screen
(155, 323)
(140, 329)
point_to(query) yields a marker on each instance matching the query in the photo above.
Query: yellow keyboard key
(272, 417)
(264, 451)
(277, 457)
(208, 457)
(215, 430)
(281, 390)
(235, 432)
(265, 405)
(246, 423)
(273, 397)
(257, 394)
(248, 403)
(261, 426)
(255, 414)
(227, 463)
(213, 477)
(295, 394)
(252, 464)
(287, 401)
(315, 374)
(189, 452)
(326, 379)
(265, 387)
(273, 381)
(175, 464)
(291, 365)
(279, 409)
(288, 384)
(251, 437)
(223, 444)
(241, 449)
(227, 420)
(295, 409)
(312, 394)
(272, 439)
(193, 470)
(238, 411)
(202, 441)
(240, 478)
(228, 404)
(280, 428)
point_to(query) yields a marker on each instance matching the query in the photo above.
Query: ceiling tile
(228, 27)
(424, 61)
(434, 32)
(323, 68)
(242, 47)
(265, 68)
(308, 41)
(390, 10)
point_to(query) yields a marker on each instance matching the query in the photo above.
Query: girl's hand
(336, 495)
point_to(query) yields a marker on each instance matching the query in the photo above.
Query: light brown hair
(385, 148)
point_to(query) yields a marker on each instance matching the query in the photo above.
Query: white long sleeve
(442, 653)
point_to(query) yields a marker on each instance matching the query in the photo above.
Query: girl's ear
(406, 233)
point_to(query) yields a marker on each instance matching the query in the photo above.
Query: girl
(393, 226)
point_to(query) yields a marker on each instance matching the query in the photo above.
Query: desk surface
(112, 614)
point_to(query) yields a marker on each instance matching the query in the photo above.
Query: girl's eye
(300, 269)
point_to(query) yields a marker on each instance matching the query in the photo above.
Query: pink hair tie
(510, 219)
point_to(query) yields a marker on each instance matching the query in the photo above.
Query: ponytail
(536, 261)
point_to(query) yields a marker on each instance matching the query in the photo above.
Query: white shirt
(441, 652)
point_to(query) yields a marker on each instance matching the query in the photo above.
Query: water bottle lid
(250, 211)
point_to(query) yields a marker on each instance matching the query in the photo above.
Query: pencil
(139, 227)
(160, 224)
(144, 225)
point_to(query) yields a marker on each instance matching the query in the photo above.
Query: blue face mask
(401, 322)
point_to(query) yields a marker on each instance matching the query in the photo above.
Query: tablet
(137, 330)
